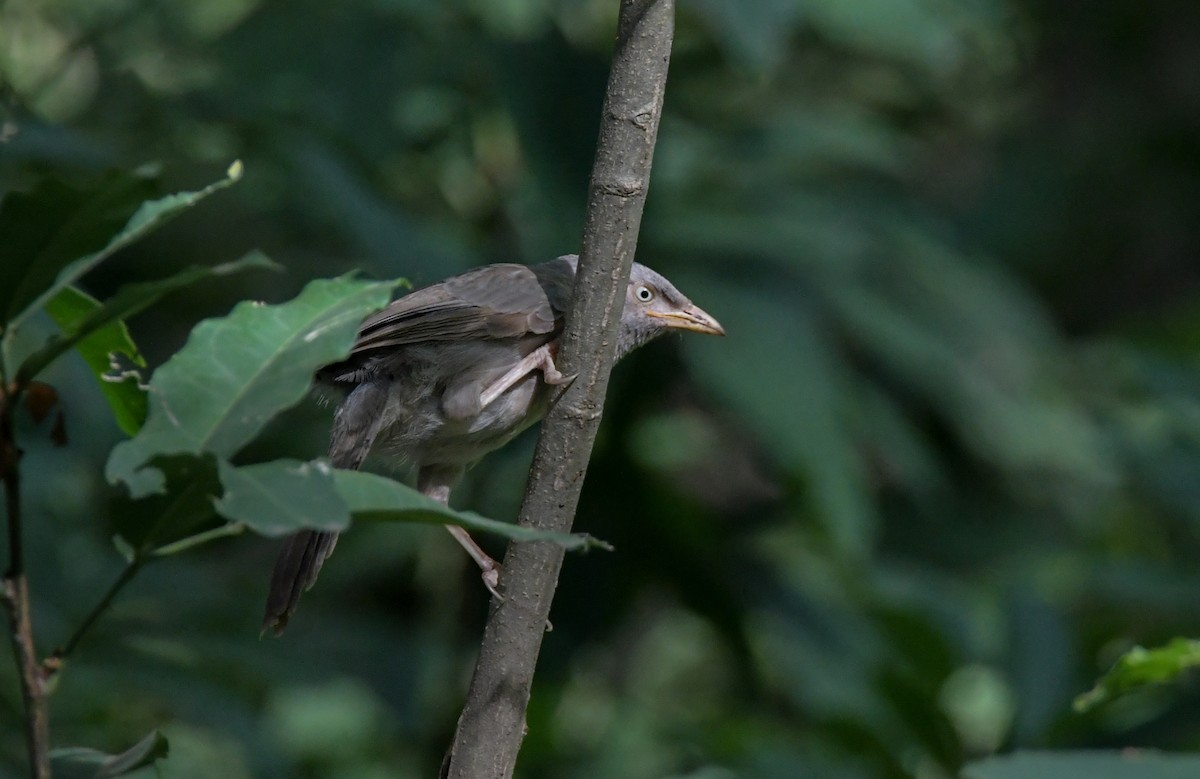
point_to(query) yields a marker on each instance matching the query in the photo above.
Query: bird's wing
(495, 301)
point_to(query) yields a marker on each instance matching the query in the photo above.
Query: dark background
(940, 474)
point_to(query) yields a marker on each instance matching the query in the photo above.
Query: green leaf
(137, 761)
(54, 223)
(124, 393)
(236, 373)
(1127, 764)
(183, 509)
(370, 496)
(51, 262)
(1140, 667)
(283, 496)
(98, 330)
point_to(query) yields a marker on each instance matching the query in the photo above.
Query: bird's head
(653, 307)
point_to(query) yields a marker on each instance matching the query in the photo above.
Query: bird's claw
(550, 372)
(552, 376)
(540, 359)
(491, 580)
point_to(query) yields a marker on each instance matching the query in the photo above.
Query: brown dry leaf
(40, 398)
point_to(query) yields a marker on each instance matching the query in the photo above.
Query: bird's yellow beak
(690, 318)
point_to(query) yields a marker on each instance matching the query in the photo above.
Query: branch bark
(492, 724)
(15, 594)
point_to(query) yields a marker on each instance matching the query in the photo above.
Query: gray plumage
(417, 375)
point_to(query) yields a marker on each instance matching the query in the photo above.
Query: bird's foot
(490, 573)
(550, 372)
(540, 359)
(489, 569)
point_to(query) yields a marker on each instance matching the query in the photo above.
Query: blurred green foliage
(1140, 667)
(939, 477)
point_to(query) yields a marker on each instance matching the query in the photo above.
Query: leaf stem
(54, 661)
(183, 544)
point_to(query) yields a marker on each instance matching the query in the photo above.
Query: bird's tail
(295, 570)
(355, 426)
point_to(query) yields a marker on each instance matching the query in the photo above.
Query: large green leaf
(237, 372)
(137, 761)
(50, 260)
(370, 496)
(283, 496)
(1132, 764)
(1140, 667)
(54, 223)
(124, 393)
(97, 331)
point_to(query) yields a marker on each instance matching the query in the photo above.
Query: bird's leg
(489, 569)
(541, 358)
(435, 482)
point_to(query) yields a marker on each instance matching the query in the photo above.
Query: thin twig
(33, 687)
(16, 598)
(492, 724)
(10, 458)
(54, 661)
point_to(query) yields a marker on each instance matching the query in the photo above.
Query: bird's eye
(644, 294)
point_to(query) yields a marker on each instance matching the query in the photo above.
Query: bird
(452, 371)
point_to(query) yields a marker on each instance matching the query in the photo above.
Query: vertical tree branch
(492, 723)
(16, 597)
